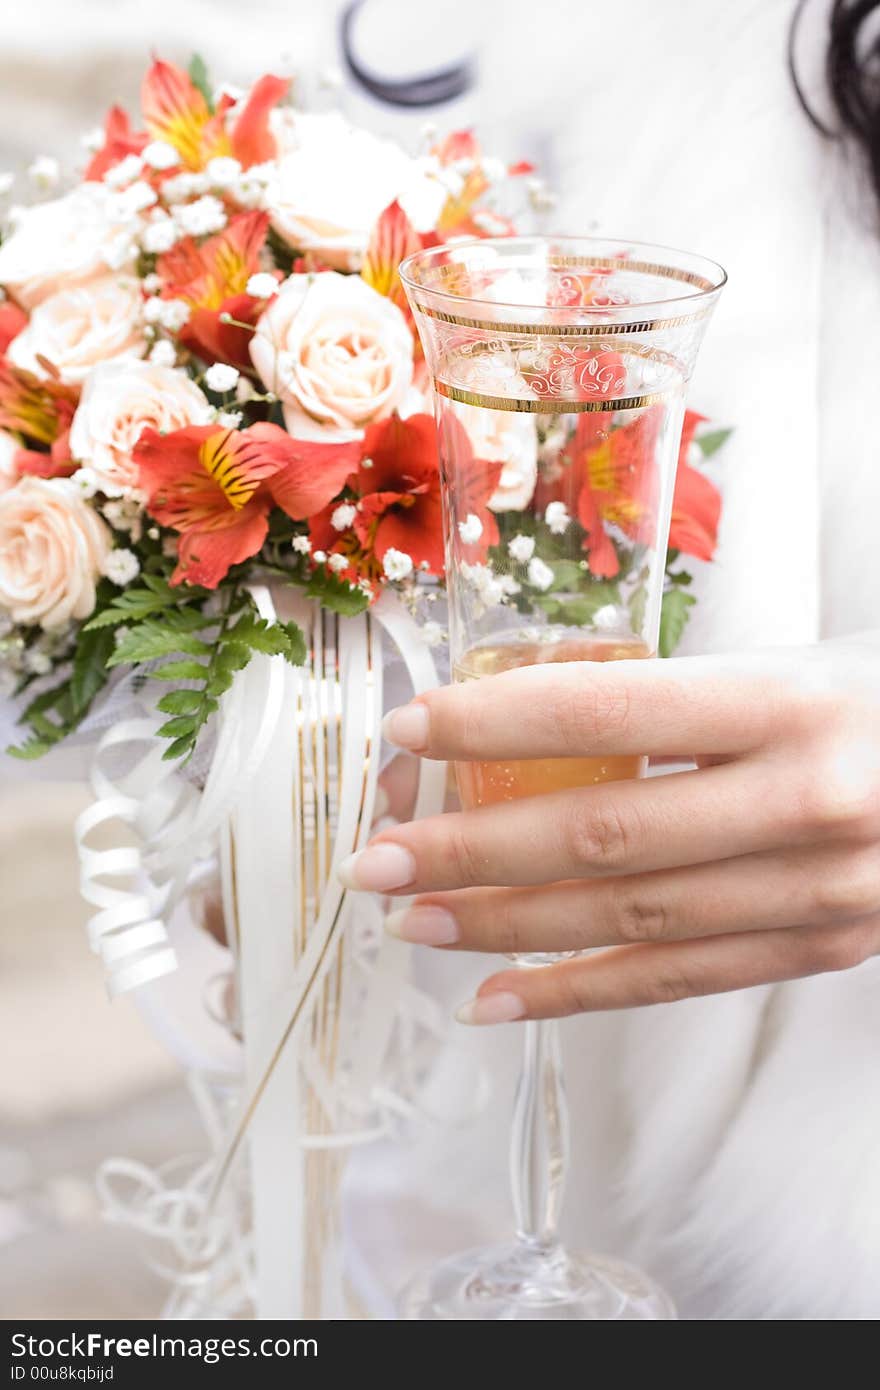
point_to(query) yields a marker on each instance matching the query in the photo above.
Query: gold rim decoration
(549, 405)
(564, 330)
(661, 269)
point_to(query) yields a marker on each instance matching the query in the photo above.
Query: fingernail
(378, 869)
(492, 1008)
(407, 727)
(424, 926)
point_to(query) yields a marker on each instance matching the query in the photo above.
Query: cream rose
(77, 328)
(9, 447)
(337, 354)
(52, 549)
(63, 243)
(334, 180)
(119, 400)
(509, 438)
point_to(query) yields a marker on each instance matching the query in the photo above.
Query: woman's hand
(763, 864)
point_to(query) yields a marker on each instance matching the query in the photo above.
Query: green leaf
(89, 675)
(31, 749)
(551, 606)
(179, 671)
(232, 656)
(181, 726)
(181, 702)
(673, 618)
(180, 747)
(260, 635)
(188, 620)
(567, 574)
(198, 76)
(581, 610)
(680, 577)
(219, 682)
(297, 653)
(713, 441)
(160, 586)
(637, 601)
(337, 595)
(150, 640)
(131, 606)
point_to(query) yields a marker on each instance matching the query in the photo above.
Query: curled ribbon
(171, 823)
(324, 720)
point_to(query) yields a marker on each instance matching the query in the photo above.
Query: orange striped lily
(39, 412)
(119, 140)
(212, 280)
(618, 483)
(217, 486)
(176, 111)
(393, 239)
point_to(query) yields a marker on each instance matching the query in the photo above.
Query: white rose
(336, 353)
(119, 400)
(62, 243)
(9, 447)
(334, 180)
(76, 329)
(509, 438)
(53, 545)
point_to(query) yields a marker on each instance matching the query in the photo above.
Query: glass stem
(539, 1142)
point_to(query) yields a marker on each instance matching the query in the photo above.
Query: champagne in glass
(559, 368)
(487, 783)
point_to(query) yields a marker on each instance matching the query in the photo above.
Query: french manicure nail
(378, 869)
(500, 1007)
(407, 727)
(424, 926)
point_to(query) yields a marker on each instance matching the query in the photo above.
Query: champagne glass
(559, 368)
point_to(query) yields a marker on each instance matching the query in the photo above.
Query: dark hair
(852, 76)
(427, 89)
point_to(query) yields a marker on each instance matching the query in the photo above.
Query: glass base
(517, 1284)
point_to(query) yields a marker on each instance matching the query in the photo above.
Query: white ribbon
(171, 822)
(206, 1257)
(391, 1030)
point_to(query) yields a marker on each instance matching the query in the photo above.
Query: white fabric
(731, 1144)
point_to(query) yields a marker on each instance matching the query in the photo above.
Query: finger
(396, 790)
(753, 893)
(632, 976)
(583, 708)
(616, 828)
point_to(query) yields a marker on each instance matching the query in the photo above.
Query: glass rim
(683, 268)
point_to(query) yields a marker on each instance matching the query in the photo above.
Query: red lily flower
(211, 278)
(217, 486)
(457, 215)
(393, 239)
(474, 480)
(397, 483)
(40, 413)
(176, 111)
(618, 481)
(119, 140)
(251, 139)
(696, 502)
(12, 321)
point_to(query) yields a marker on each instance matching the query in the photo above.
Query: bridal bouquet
(209, 376)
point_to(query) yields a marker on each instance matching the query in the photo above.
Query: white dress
(730, 1145)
